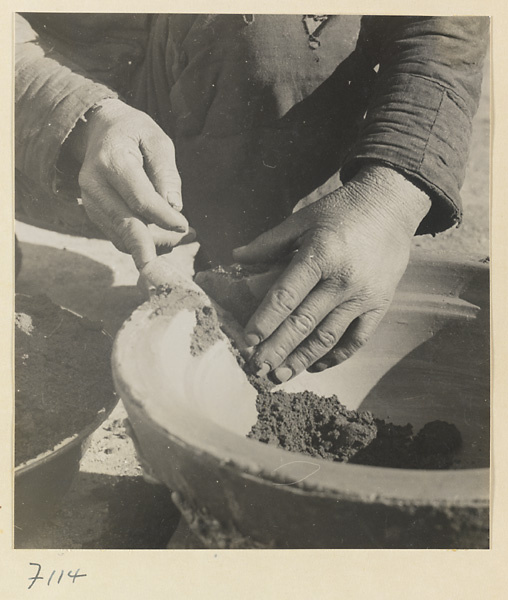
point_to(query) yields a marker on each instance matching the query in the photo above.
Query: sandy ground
(110, 505)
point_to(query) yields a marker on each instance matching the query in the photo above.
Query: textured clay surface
(323, 427)
(206, 331)
(63, 375)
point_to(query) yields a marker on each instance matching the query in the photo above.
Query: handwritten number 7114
(55, 577)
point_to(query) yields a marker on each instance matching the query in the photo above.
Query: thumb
(160, 166)
(270, 246)
(165, 240)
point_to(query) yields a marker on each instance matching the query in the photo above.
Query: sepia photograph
(252, 282)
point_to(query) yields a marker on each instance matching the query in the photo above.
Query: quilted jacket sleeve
(422, 104)
(51, 94)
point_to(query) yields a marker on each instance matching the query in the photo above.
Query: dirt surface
(323, 427)
(63, 379)
(106, 512)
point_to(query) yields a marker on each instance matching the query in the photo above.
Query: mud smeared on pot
(63, 375)
(207, 329)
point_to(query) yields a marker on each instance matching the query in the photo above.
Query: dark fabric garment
(263, 112)
(259, 118)
(422, 103)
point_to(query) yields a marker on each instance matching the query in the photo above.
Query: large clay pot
(428, 360)
(42, 481)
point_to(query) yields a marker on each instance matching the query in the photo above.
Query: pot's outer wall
(229, 509)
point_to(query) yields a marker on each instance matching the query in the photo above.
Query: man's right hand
(129, 182)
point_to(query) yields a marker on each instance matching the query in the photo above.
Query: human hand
(129, 182)
(350, 250)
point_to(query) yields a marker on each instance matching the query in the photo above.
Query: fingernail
(248, 353)
(189, 237)
(175, 200)
(318, 367)
(264, 370)
(283, 374)
(251, 339)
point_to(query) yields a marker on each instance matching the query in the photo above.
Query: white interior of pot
(428, 360)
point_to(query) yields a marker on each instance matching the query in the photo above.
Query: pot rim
(464, 487)
(78, 438)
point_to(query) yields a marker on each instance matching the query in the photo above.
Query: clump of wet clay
(62, 377)
(207, 329)
(323, 427)
(304, 422)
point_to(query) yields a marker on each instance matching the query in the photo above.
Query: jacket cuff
(48, 106)
(421, 129)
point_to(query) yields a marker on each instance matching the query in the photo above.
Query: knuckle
(121, 225)
(285, 300)
(121, 157)
(340, 355)
(158, 139)
(277, 356)
(359, 341)
(374, 297)
(302, 359)
(346, 276)
(302, 323)
(326, 337)
(274, 357)
(314, 261)
(169, 176)
(146, 120)
(109, 158)
(153, 138)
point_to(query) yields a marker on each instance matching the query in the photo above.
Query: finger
(290, 289)
(121, 224)
(296, 328)
(324, 338)
(355, 337)
(166, 240)
(132, 183)
(269, 246)
(160, 165)
(103, 222)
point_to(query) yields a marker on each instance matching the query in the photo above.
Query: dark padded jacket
(421, 77)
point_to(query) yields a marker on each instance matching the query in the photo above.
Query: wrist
(78, 138)
(385, 192)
